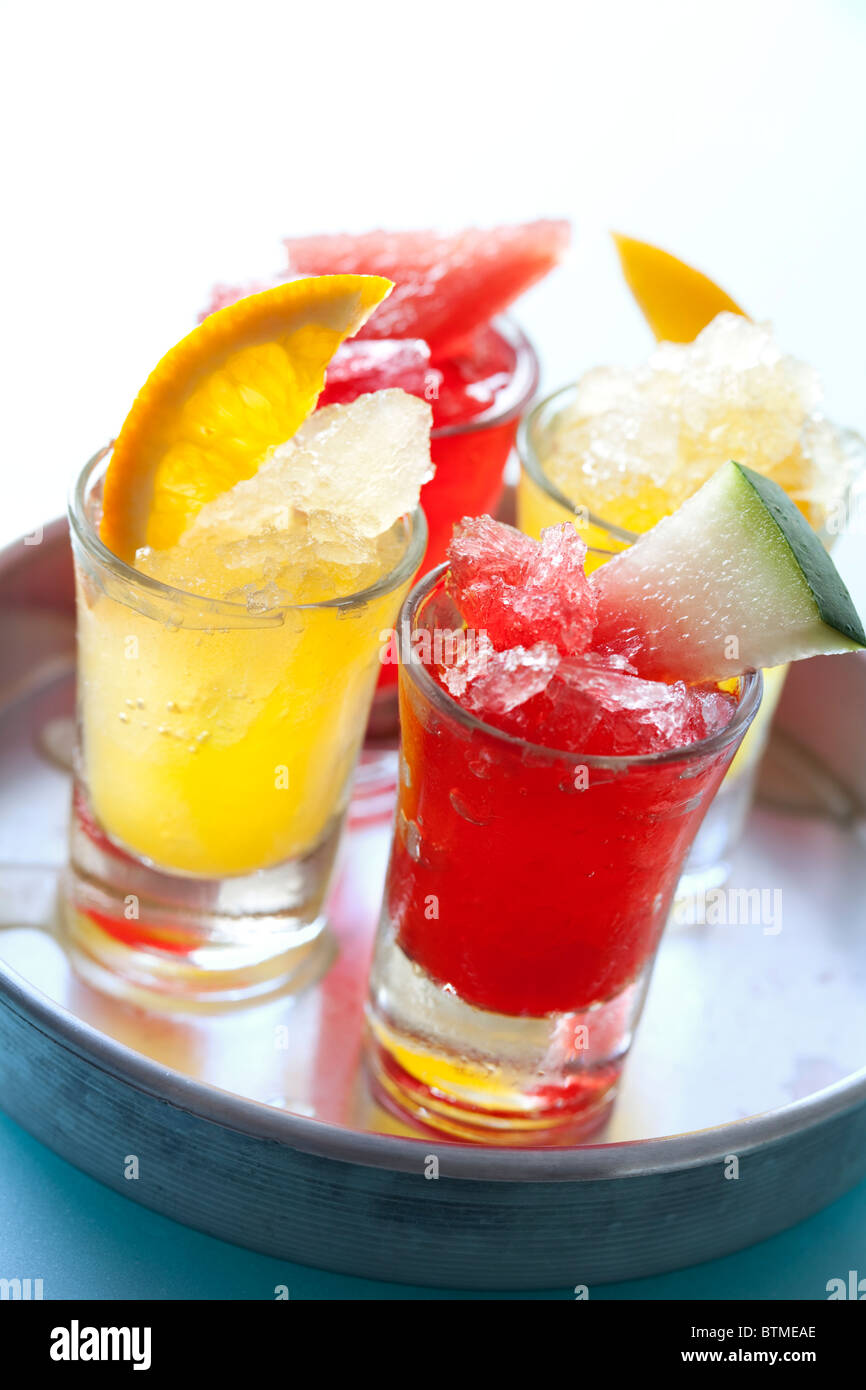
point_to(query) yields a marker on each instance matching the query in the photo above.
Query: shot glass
(541, 503)
(525, 899)
(216, 748)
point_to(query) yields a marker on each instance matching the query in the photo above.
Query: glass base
(211, 978)
(178, 941)
(477, 1075)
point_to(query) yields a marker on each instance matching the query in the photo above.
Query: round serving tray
(257, 1124)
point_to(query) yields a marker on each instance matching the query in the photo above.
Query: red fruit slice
(446, 285)
(522, 591)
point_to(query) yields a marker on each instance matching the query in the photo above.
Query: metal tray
(256, 1125)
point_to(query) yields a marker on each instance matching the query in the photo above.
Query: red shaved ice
(594, 706)
(590, 704)
(359, 367)
(492, 683)
(533, 670)
(522, 591)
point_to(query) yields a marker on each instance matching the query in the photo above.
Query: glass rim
(531, 463)
(750, 698)
(87, 536)
(514, 397)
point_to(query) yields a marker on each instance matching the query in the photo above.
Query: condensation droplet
(465, 812)
(480, 765)
(412, 837)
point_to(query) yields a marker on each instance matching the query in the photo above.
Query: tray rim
(475, 1162)
(472, 1162)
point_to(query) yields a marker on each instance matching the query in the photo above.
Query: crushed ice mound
(593, 703)
(320, 518)
(278, 567)
(491, 682)
(520, 591)
(634, 444)
(352, 470)
(532, 670)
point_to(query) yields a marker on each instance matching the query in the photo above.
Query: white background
(152, 148)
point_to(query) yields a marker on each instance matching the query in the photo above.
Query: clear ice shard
(356, 468)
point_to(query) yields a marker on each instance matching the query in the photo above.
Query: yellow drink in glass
(238, 731)
(218, 738)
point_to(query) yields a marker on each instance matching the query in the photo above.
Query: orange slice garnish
(242, 382)
(676, 300)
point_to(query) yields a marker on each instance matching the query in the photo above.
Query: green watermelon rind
(737, 560)
(804, 552)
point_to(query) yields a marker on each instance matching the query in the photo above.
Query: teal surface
(84, 1241)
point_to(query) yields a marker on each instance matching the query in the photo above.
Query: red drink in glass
(526, 895)
(483, 392)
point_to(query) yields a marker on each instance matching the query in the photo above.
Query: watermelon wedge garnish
(735, 579)
(629, 662)
(446, 285)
